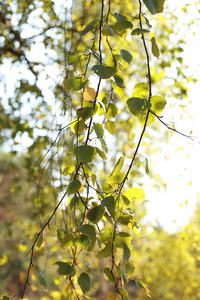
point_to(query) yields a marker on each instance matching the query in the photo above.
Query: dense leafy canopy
(86, 81)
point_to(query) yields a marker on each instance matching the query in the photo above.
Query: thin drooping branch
(121, 185)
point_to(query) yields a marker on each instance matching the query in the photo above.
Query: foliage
(84, 129)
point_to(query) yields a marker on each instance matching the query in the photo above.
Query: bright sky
(181, 171)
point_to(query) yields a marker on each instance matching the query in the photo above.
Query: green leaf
(160, 5)
(154, 47)
(125, 220)
(88, 229)
(151, 5)
(120, 18)
(98, 128)
(138, 31)
(107, 30)
(126, 252)
(109, 203)
(134, 194)
(112, 111)
(104, 71)
(101, 153)
(76, 83)
(119, 81)
(146, 166)
(138, 106)
(71, 59)
(118, 166)
(129, 269)
(83, 241)
(147, 22)
(40, 240)
(141, 90)
(90, 27)
(110, 275)
(158, 104)
(110, 126)
(43, 280)
(103, 144)
(73, 187)
(124, 293)
(84, 282)
(61, 233)
(121, 27)
(5, 297)
(95, 214)
(65, 268)
(126, 55)
(68, 241)
(124, 277)
(106, 252)
(85, 113)
(85, 153)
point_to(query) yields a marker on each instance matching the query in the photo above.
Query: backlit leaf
(158, 104)
(118, 166)
(124, 293)
(110, 126)
(112, 111)
(73, 58)
(77, 125)
(89, 94)
(114, 296)
(106, 251)
(154, 47)
(134, 194)
(101, 153)
(141, 90)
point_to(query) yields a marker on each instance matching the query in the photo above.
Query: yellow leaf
(114, 296)
(81, 188)
(89, 94)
